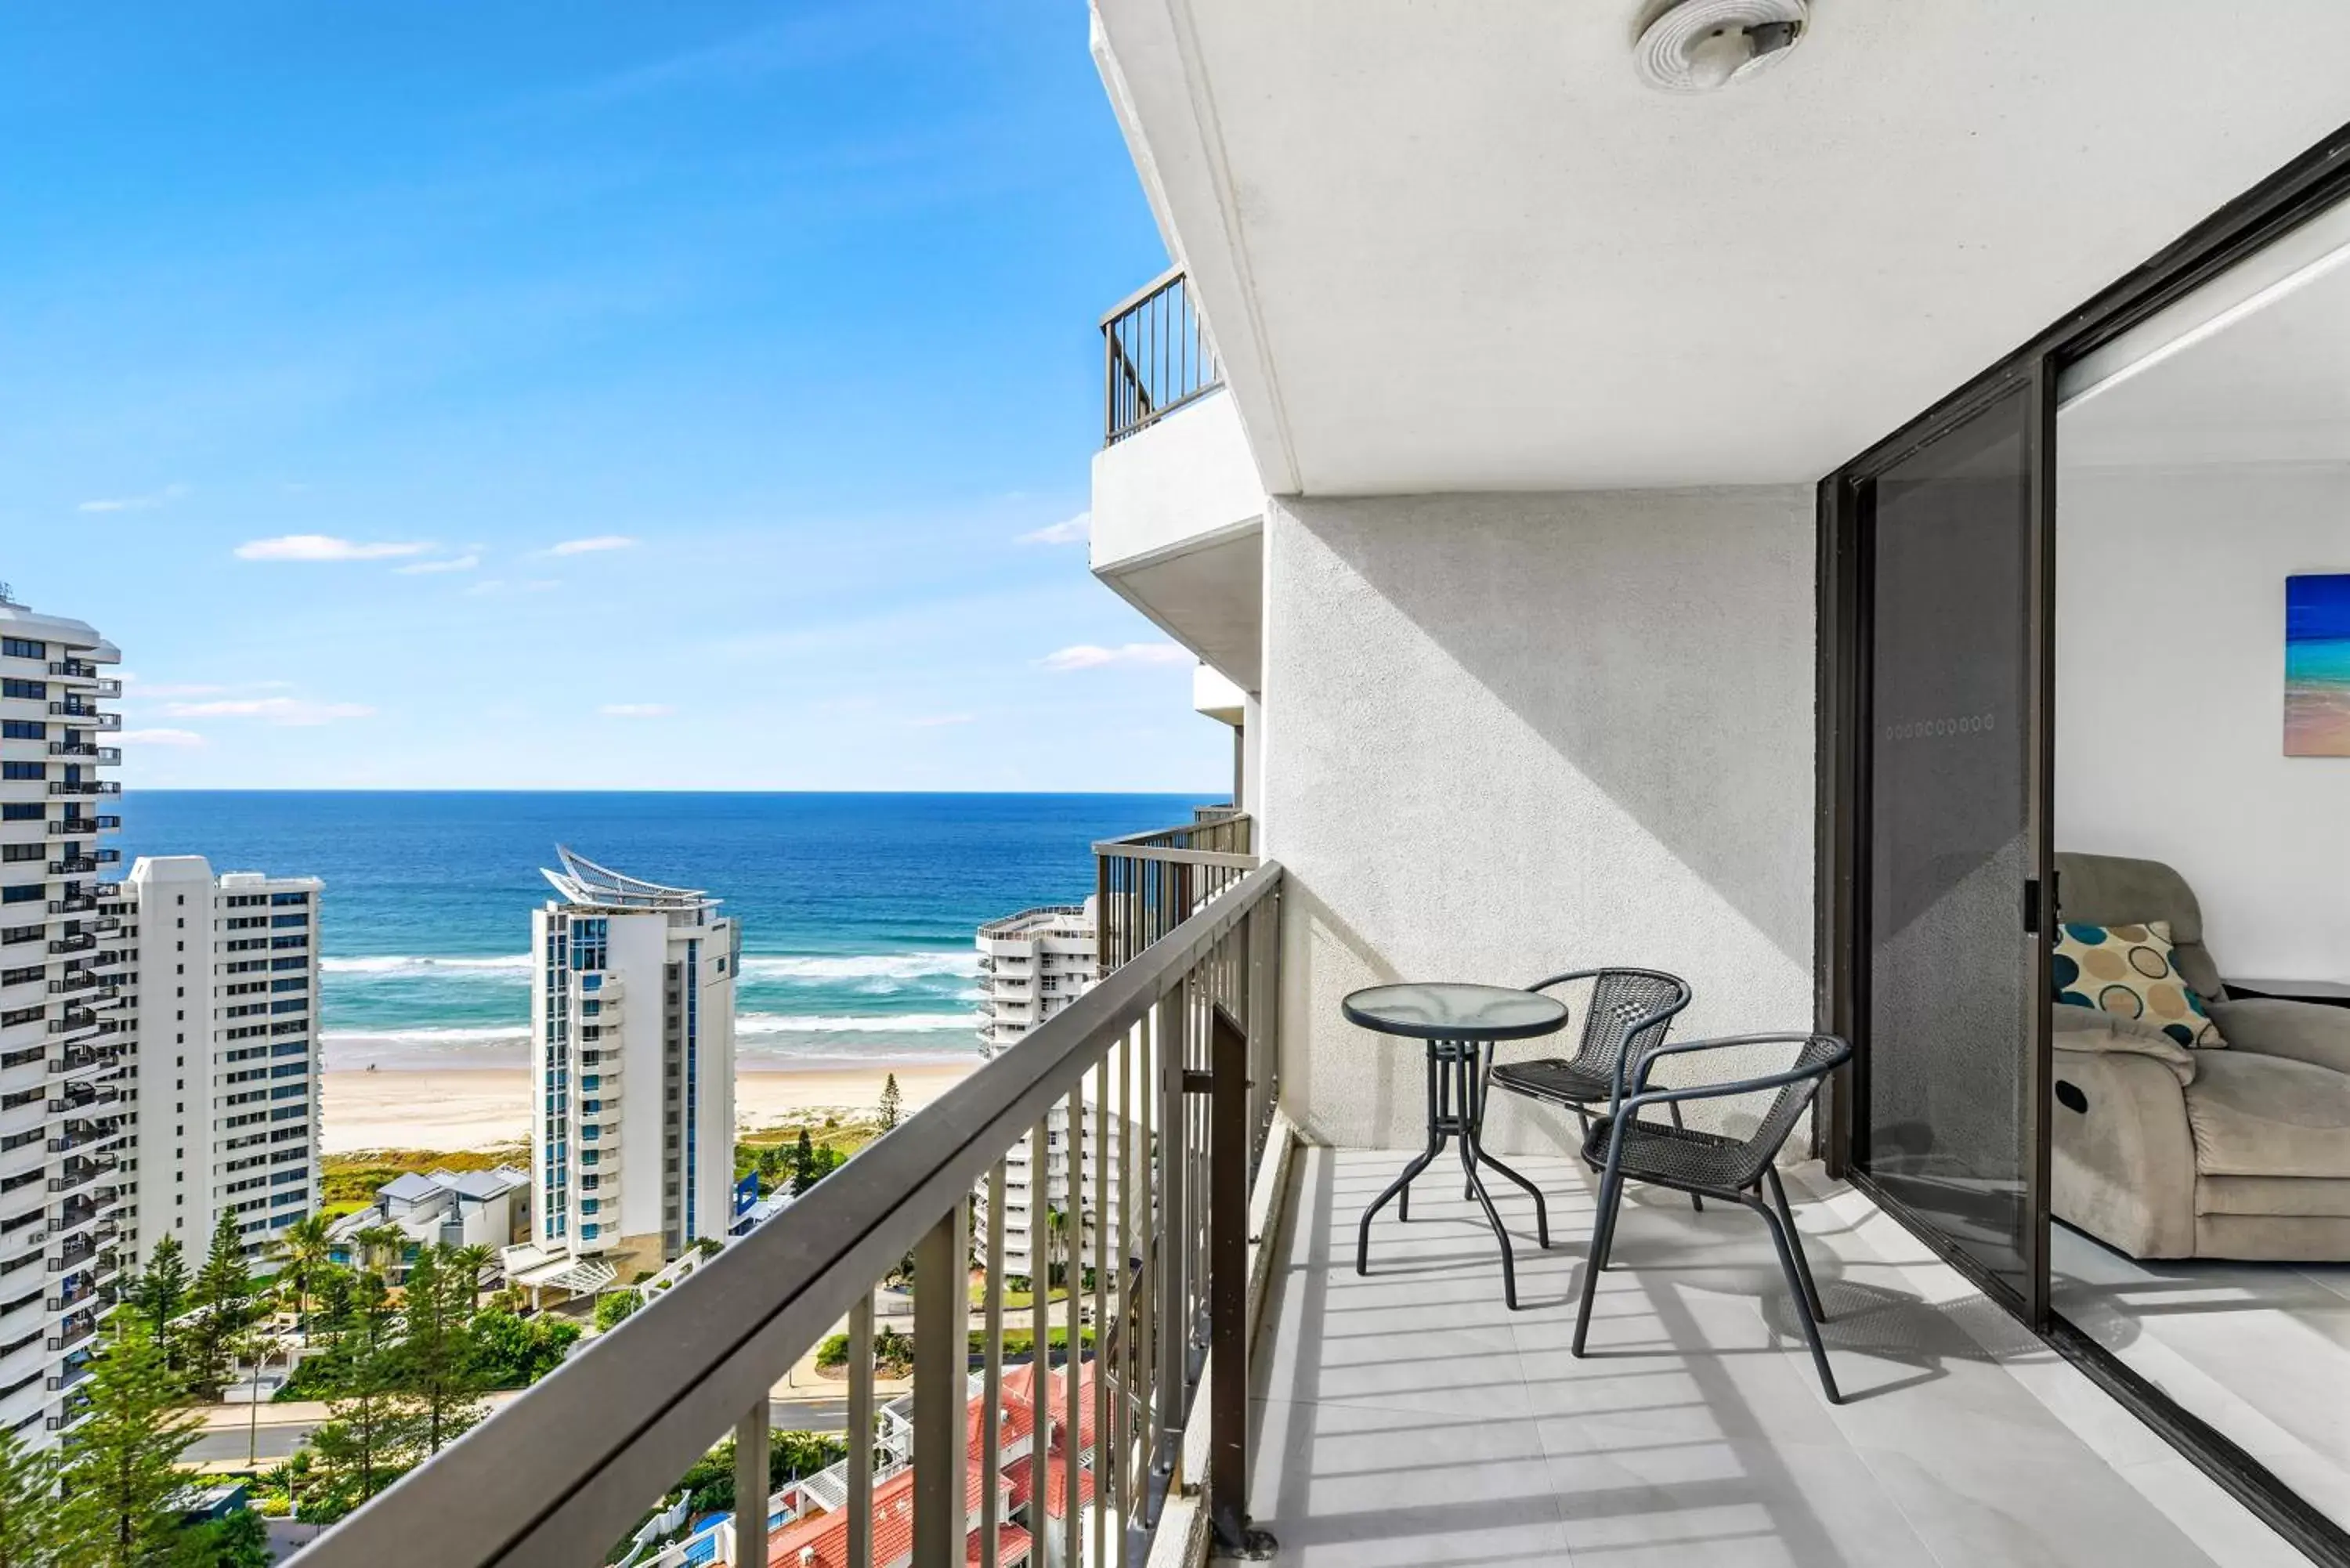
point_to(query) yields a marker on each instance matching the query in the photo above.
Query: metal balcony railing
(68, 827)
(1181, 1041)
(1156, 356)
(1147, 884)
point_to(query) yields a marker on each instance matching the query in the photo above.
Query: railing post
(751, 1448)
(941, 1365)
(1228, 1241)
(860, 1432)
(1174, 1335)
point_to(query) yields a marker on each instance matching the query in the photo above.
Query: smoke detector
(1697, 45)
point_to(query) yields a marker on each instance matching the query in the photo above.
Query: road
(273, 1439)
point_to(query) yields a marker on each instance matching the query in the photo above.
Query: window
(22, 648)
(37, 690)
(24, 771)
(23, 893)
(13, 853)
(28, 975)
(289, 920)
(589, 1205)
(289, 897)
(21, 810)
(23, 730)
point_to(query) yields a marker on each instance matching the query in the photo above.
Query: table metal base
(1456, 1112)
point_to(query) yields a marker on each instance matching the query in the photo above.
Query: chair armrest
(1644, 1096)
(2086, 1030)
(2276, 1026)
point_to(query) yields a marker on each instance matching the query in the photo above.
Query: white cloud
(324, 547)
(1071, 531)
(293, 711)
(454, 564)
(937, 720)
(160, 737)
(636, 709)
(171, 689)
(588, 547)
(1087, 656)
(148, 502)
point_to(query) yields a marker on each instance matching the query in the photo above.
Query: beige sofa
(2164, 1152)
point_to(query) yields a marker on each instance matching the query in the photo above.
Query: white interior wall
(2170, 698)
(1509, 735)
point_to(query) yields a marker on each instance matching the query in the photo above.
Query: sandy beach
(483, 1107)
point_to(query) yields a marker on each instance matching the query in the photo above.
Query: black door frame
(2315, 180)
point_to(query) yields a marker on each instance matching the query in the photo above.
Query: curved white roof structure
(590, 886)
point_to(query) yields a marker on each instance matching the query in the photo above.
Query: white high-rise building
(224, 1052)
(632, 1121)
(1032, 965)
(63, 963)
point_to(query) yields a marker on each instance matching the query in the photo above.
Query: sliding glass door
(1950, 741)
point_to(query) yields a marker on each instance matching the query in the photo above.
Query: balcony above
(1178, 509)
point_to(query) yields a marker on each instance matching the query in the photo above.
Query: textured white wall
(1507, 735)
(2170, 698)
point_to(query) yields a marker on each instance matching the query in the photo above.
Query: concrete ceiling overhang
(1209, 594)
(1461, 247)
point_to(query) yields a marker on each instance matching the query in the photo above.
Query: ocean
(858, 911)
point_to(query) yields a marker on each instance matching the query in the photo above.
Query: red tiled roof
(1019, 1395)
(1056, 1484)
(893, 1526)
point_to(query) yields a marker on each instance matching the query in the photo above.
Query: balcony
(74, 982)
(1177, 506)
(1147, 884)
(1402, 1415)
(1156, 356)
(85, 786)
(82, 943)
(68, 826)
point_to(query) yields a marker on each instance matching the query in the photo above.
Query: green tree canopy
(161, 1291)
(28, 1505)
(122, 1465)
(439, 1365)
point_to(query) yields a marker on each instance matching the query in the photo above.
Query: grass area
(834, 1138)
(349, 1181)
(1014, 1301)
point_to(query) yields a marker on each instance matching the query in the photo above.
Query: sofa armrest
(2278, 1026)
(2089, 1030)
(2122, 1157)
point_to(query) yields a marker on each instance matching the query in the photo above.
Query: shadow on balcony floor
(1408, 1418)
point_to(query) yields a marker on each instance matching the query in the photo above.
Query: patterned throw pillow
(2129, 970)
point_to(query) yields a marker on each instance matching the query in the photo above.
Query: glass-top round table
(1460, 1025)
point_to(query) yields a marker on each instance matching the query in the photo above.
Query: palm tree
(304, 1246)
(381, 1247)
(471, 1260)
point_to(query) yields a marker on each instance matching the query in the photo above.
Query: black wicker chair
(1622, 1147)
(1630, 1013)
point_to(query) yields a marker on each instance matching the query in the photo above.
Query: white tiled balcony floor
(1410, 1418)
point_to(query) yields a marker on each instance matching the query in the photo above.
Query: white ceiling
(1453, 245)
(2271, 386)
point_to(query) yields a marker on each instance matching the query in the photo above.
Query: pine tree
(437, 1346)
(122, 1465)
(28, 1505)
(160, 1293)
(890, 1102)
(223, 1296)
(374, 1426)
(803, 1164)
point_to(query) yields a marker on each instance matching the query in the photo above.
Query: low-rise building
(453, 1208)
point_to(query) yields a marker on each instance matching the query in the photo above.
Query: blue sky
(578, 395)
